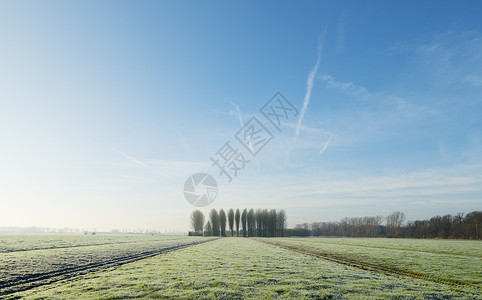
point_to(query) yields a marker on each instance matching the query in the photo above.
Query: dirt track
(457, 285)
(17, 283)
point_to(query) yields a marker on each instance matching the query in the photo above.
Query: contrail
(309, 87)
(241, 122)
(238, 111)
(140, 163)
(324, 146)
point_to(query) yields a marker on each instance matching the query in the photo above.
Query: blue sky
(107, 107)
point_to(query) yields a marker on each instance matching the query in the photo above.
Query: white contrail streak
(309, 87)
(240, 115)
(306, 100)
(241, 122)
(324, 146)
(140, 163)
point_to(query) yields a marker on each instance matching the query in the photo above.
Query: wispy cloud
(474, 80)
(362, 188)
(307, 128)
(140, 163)
(361, 93)
(450, 59)
(348, 88)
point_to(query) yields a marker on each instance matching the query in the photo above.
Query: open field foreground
(457, 263)
(235, 268)
(29, 261)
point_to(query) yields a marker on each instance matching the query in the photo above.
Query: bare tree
(272, 218)
(281, 222)
(394, 222)
(262, 222)
(237, 217)
(208, 229)
(214, 217)
(231, 221)
(251, 220)
(222, 221)
(244, 217)
(197, 221)
(447, 226)
(259, 222)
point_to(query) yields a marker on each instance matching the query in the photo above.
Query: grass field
(38, 259)
(236, 268)
(13, 243)
(463, 265)
(462, 247)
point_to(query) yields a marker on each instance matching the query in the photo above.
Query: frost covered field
(235, 268)
(27, 261)
(452, 262)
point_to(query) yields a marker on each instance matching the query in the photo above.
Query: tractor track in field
(8, 287)
(455, 284)
(402, 249)
(68, 247)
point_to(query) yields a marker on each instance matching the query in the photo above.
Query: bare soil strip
(34, 280)
(368, 266)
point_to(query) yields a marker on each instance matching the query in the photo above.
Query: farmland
(284, 268)
(27, 261)
(440, 262)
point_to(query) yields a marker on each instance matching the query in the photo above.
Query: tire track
(73, 246)
(398, 249)
(24, 283)
(456, 284)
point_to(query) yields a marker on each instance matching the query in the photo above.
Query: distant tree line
(457, 226)
(248, 223)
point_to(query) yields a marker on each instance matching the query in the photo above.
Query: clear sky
(107, 107)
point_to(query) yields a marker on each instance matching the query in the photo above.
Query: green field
(236, 268)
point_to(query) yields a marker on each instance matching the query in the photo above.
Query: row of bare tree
(458, 226)
(261, 223)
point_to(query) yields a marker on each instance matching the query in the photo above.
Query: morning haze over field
(106, 108)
